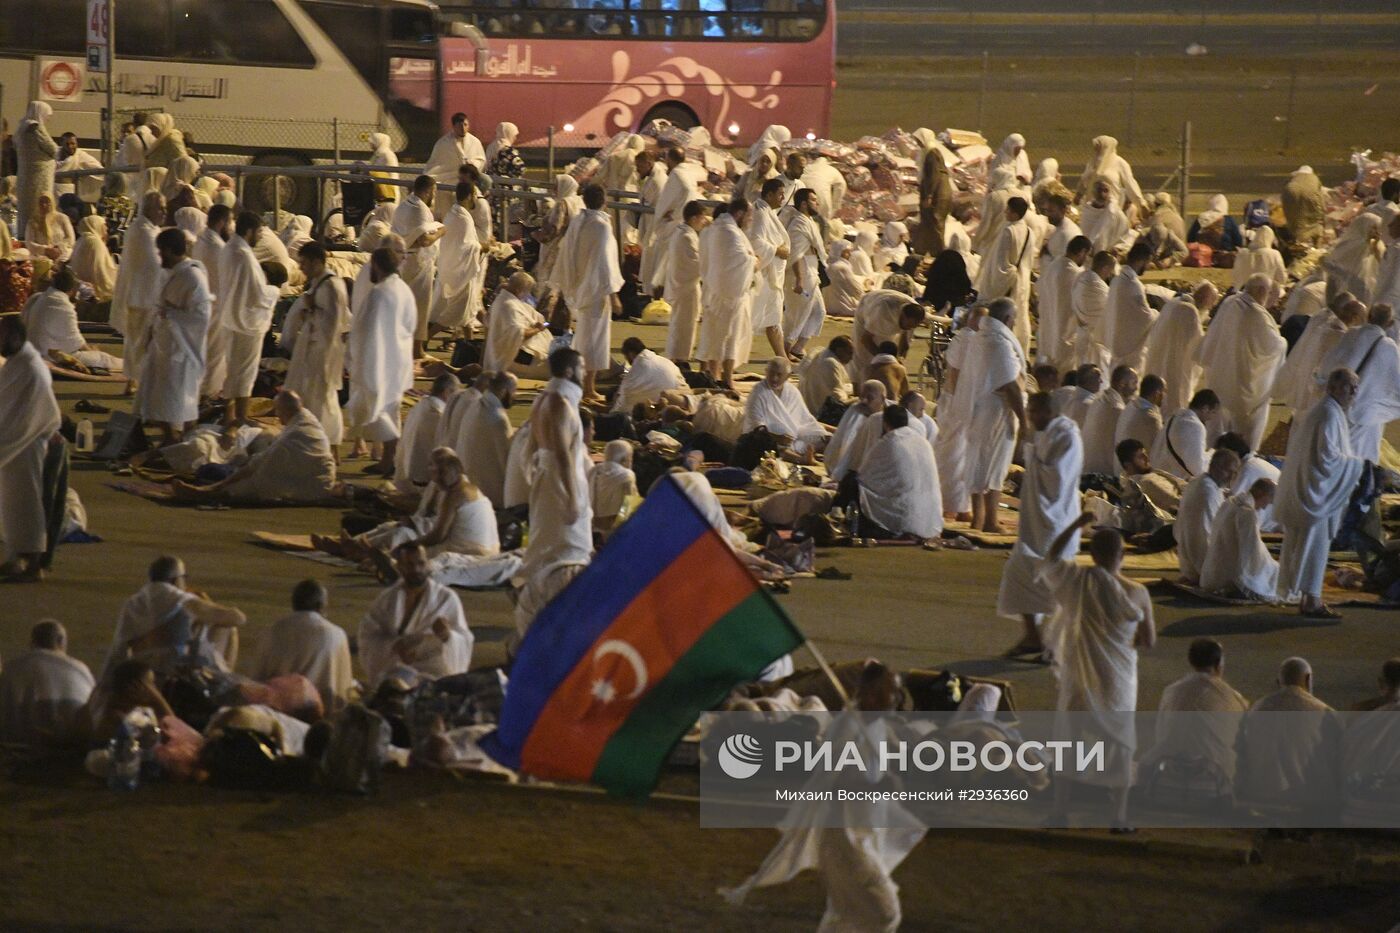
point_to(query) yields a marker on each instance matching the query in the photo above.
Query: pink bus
(592, 68)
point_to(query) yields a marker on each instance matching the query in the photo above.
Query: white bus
(261, 80)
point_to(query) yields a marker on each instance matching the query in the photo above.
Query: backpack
(355, 751)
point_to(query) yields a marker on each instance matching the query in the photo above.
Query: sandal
(91, 408)
(1322, 612)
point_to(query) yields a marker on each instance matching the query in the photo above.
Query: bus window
(61, 30)
(355, 30)
(143, 30)
(234, 31)
(411, 26)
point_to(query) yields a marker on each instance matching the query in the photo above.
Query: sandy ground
(436, 853)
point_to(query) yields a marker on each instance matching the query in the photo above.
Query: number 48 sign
(98, 24)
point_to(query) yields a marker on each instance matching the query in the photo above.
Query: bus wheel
(298, 194)
(677, 115)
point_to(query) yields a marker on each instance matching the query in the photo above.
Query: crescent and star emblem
(603, 689)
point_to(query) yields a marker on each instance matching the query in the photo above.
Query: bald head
(1003, 310)
(872, 394)
(520, 284)
(619, 452)
(1295, 672)
(1259, 287)
(287, 405)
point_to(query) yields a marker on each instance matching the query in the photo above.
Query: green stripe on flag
(734, 650)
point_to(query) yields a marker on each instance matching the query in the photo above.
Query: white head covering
(1009, 156)
(1105, 148)
(182, 172)
(837, 251)
(1355, 244)
(379, 142)
(297, 233)
(927, 140)
(1002, 178)
(506, 134)
(162, 122)
(154, 178)
(91, 260)
(1047, 170)
(192, 221)
(226, 197)
(894, 233)
(38, 112)
(1304, 170)
(1216, 208)
(772, 138)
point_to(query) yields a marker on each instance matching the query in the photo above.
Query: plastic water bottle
(84, 437)
(853, 522)
(125, 760)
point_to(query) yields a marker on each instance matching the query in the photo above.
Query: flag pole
(830, 674)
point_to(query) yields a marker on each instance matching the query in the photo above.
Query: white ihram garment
(413, 455)
(29, 416)
(683, 291)
(1181, 447)
(137, 290)
(645, 379)
(385, 623)
(1368, 352)
(1195, 518)
(726, 276)
(803, 308)
(1172, 341)
(995, 361)
(245, 312)
(1296, 384)
(1049, 503)
(315, 331)
(1319, 475)
(589, 275)
(308, 644)
(1237, 559)
(456, 297)
(767, 235)
(1127, 319)
(1240, 355)
(379, 358)
(899, 484)
(208, 250)
(168, 392)
(412, 220)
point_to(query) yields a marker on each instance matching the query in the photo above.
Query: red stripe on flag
(656, 629)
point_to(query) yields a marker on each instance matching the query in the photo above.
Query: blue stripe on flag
(646, 544)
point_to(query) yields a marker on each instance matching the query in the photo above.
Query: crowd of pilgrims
(1070, 380)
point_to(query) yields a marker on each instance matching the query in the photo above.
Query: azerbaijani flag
(656, 630)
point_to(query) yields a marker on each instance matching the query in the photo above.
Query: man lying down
(297, 468)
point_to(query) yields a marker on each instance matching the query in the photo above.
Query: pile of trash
(1350, 198)
(881, 172)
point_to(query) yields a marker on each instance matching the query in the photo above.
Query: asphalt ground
(438, 853)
